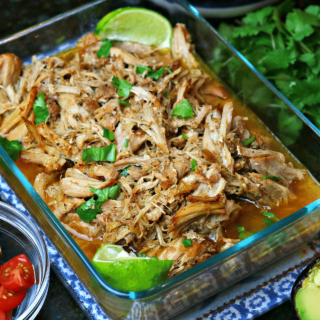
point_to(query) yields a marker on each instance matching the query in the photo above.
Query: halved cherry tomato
(9, 315)
(9, 299)
(3, 316)
(17, 274)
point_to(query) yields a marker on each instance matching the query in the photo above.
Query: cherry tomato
(9, 315)
(3, 316)
(9, 299)
(17, 274)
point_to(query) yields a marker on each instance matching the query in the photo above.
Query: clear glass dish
(222, 270)
(18, 235)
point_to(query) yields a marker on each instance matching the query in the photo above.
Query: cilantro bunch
(283, 44)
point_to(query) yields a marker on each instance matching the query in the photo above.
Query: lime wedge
(137, 25)
(127, 273)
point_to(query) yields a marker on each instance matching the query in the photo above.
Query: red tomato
(3, 316)
(9, 315)
(9, 299)
(17, 274)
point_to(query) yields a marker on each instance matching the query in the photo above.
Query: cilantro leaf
(183, 109)
(271, 177)
(187, 242)
(85, 213)
(12, 148)
(141, 255)
(123, 102)
(270, 215)
(108, 153)
(193, 165)
(40, 109)
(248, 141)
(125, 171)
(300, 24)
(167, 94)
(314, 10)
(245, 31)
(278, 59)
(142, 69)
(243, 234)
(185, 137)
(122, 85)
(106, 193)
(104, 50)
(108, 134)
(259, 17)
(268, 222)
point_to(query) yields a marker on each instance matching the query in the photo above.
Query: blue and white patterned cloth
(247, 299)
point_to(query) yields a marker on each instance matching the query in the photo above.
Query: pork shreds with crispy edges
(162, 201)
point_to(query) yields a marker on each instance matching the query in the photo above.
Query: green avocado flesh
(308, 297)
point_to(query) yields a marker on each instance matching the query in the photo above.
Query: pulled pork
(164, 199)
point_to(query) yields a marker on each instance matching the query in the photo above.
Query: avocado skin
(298, 283)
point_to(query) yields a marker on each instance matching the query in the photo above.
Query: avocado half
(305, 294)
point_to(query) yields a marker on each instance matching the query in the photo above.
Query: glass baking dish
(222, 270)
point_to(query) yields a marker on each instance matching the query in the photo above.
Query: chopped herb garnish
(104, 50)
(183, 109)
(122, 85)
(270, 215)
(108, 134)
(268, 222)
(125, 171)
(185, 137)
(124, 102)
(40, 109)
(141, 255)
(60, 39)
(142, 69)
(153, 74)
(193, 165)
(12, 148)
(250, 140)
(167, 94)
(166, 68)
(271, 177)
(187, 242)
(154, 258)
(126, 143)
(108, 153)
(106, 193)
(85, 213)
(243, 234)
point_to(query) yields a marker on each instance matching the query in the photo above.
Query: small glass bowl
(18, 235)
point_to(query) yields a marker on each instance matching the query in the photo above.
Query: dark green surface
(15, 16)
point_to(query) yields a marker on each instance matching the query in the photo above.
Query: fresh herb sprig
(282, 43)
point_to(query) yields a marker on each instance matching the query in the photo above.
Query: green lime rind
(135, 274)
(137, 25)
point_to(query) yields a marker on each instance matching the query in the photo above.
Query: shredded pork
(163, 199)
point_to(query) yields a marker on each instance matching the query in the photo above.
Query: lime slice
(137, 25)
(127, 273)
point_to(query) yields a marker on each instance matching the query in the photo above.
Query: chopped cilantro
(108, 134)
(141, 255)
(268, 222)
(187, 242)
(167, 94)
(108, 153)
(183, 109)
(243, 234)
(153, 74)
(106, 193)
(85, 213)
(122, 85)
(126, 143)
(250, 140)
(270, 215)
(271, 177)
(12, 148)
(193, 165)
(40, 109)
(124, 102)
(185, 137)
(104, 50)
(125, 171)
